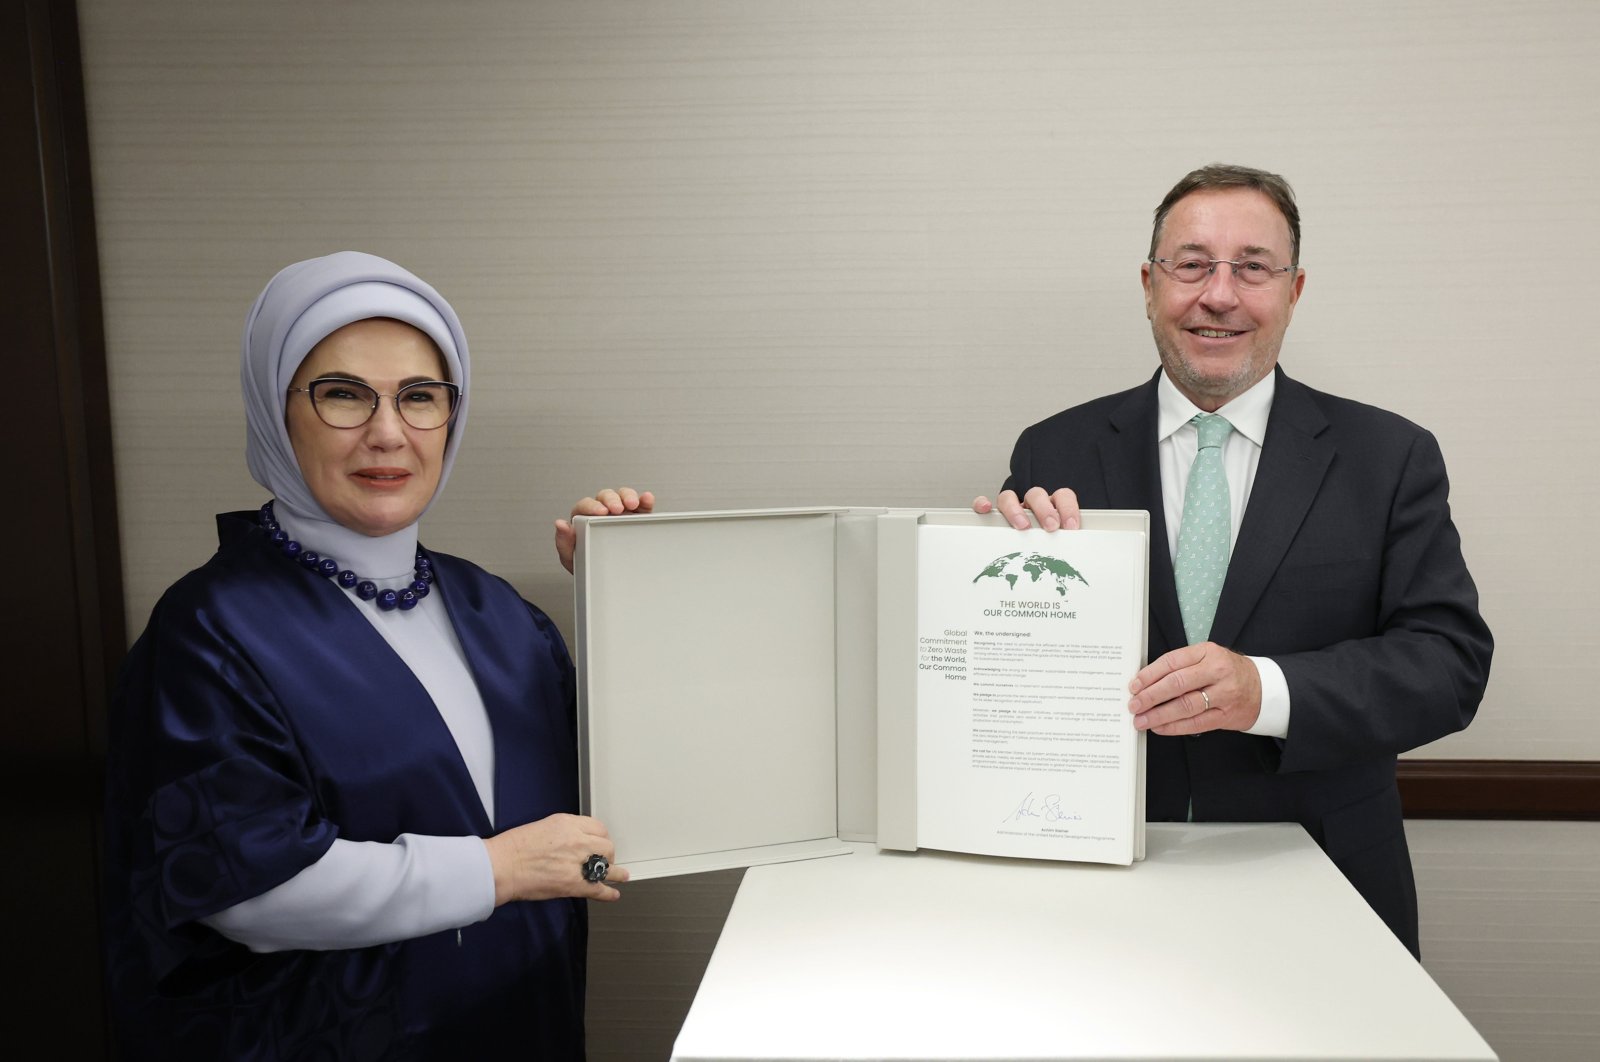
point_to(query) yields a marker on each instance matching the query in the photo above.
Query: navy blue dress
(259, 717)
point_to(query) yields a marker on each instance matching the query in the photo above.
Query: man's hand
(1195, 689)
(1053, 511)
(608, 502)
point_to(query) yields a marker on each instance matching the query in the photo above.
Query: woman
(342, 769)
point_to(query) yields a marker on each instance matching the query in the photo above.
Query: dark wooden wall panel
(63, 602)
(1500, 789)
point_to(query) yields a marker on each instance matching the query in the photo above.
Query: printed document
(1026, 643)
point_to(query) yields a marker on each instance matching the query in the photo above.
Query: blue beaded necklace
(367, 590)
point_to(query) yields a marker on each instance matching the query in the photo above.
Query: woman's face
(375, 479)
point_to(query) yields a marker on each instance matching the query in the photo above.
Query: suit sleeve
(1420, 674)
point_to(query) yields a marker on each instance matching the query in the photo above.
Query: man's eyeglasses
(349, 403)
(1194, 268)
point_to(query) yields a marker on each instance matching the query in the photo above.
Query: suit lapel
(1132, 470)
(1294, 460)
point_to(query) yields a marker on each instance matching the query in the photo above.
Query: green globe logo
(1036, 566)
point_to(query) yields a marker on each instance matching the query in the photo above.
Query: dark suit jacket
(1348, 573)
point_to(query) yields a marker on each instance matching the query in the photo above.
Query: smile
(1215, 333)
(382, 477)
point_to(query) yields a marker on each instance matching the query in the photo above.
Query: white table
(1228, 942)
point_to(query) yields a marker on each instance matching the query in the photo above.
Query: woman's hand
(608, 502)
(544, 860)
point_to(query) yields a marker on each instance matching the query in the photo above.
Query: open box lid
(729, 682)
(707, 686)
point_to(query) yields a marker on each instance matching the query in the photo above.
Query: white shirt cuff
(1274, 718)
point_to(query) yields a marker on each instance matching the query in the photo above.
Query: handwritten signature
(1049, 810)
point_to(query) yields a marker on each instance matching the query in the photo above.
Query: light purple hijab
(294, 312)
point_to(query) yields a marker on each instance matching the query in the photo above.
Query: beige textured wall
(756, 253)
(767, 252)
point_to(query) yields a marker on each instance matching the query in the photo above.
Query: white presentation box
(747, 681)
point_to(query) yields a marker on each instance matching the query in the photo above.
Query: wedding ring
(595, 869)
(1207, 699)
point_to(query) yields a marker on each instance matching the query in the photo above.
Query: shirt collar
(1247, 412)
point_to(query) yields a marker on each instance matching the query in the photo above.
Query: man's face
(1218, 337)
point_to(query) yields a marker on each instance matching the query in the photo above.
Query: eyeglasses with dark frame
(342, 403)
(1192, 269)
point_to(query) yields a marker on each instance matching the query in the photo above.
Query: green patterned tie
(1202, 560)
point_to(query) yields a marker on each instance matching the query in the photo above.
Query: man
(1311, 615)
